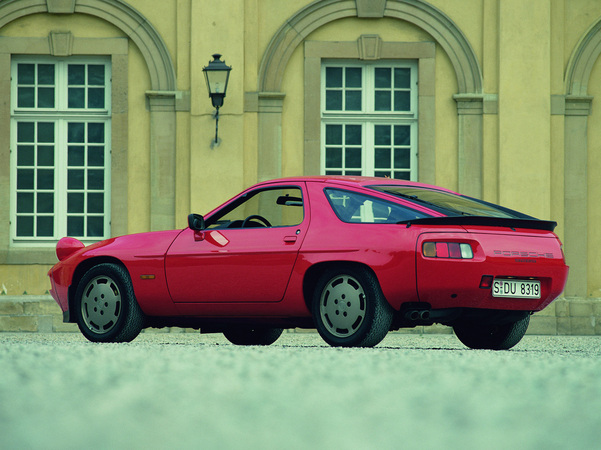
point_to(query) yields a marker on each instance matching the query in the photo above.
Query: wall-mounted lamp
(217, 75)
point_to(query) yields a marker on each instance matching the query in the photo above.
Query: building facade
(106, 127)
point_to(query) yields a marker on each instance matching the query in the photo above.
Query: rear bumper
(455, 283)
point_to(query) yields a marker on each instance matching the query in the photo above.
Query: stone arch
(292, 33)
(121, 15)
(577, 109)
(436, 23)
(161, 96)
(582, 60)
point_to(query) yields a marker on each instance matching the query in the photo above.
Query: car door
(246, 252)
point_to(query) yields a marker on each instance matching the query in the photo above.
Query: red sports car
(353, 257)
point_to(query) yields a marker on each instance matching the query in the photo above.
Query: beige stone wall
(508, 108)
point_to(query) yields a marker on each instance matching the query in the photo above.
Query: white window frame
(368, 117)
(61, 115)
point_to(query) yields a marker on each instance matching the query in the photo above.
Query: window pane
(95, 74)
(402, 176)
(46, 74)
(402, 101)
(75, 179)
(95, 179)
(45, 226)
(25, 97)
(24, 226)
(382, 174)
(96, 156)
(24, 202)
(353, 77)
(76, 97)
(382, 158)
(75, 226)
(334, 77)
(352, 158)
(45, 202)
(25, 73)
(96, 98)
(25, 155)
(95, 203)
(45, 132)
(402, 78)
(45, 97)
(353, 135)
(95, 226)
(402, 135)
(76, 155)
(382, 134)
(333, 134)
(75, 203)
(45, 179)
(382, 101)
(96, 133)
(383, 77)
(25, 132)
(25, 179)
(333, 100)
(333, 157)
(402, 158)
(352, 101)
(76, 74)
(45, 155)
(76, 132)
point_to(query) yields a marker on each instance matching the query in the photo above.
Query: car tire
(253, 335)
(349, 308)
(106, 309)
(491, 337)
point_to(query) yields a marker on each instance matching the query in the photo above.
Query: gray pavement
(198, 391)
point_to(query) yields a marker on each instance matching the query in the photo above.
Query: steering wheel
(257, 217)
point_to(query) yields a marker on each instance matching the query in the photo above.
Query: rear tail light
(450, 250)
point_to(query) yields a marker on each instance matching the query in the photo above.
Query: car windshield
(449, 203)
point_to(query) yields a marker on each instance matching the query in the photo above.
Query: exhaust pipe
(414, 315)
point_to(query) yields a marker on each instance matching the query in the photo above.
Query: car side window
(274, 207)
(352, 207)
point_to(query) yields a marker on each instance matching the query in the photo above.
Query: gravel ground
(58, 391)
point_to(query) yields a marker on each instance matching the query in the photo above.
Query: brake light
(451, 250)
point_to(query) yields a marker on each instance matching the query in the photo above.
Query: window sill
(28, 256)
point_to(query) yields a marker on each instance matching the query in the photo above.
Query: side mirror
(196, 222)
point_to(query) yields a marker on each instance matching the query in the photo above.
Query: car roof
(356, 181)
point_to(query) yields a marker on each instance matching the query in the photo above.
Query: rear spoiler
(533, 224)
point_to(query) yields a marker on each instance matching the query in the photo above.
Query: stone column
(577, 110)
(270, 135)
(470, 109)
(162, 159)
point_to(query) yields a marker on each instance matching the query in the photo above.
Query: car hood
(140, 245)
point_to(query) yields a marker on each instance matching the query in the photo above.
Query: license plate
(516, 288)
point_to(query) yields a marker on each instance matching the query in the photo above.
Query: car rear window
(449, 203)
(353, 207)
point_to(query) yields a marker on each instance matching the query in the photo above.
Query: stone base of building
(41, 314)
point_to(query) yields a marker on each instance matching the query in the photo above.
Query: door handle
(289, 239)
